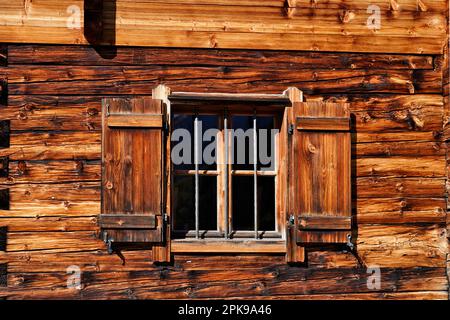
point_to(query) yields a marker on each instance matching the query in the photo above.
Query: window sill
(230, 246)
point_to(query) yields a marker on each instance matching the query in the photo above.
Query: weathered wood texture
(405, 26)
(398, 172)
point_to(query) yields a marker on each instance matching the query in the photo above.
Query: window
(225, 173)
(233, 199)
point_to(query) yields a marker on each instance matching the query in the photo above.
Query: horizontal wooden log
(52, 171)
(400, 210)
(277, 60)
(139, 80)
(54, 241)
(408, 245)
(401, 167)
(219, 26)
(50, 224)
(404, 148)
(80, 199)
(378, 187)
(54, 146)
(199, 284)
(53, 113)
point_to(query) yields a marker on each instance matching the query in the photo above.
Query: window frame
(242, 241)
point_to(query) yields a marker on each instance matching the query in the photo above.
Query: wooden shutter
(134, 171)
(321, 165)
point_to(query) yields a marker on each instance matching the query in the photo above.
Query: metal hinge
(166, 218)
(349, 243)
(291, 220)
(291, 129)
(109, 242)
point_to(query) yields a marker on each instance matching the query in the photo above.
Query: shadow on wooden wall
(100, 26)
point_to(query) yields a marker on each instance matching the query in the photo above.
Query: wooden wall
(406, 26)
(399, 164)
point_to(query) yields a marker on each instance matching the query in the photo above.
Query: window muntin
(231, 214)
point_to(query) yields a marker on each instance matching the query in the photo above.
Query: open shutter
(134, 172)
(321, 165)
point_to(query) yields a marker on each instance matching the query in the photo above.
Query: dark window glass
(184, 202)
(243, 203)
(266, 143)
(242, 143)
(266, 203)
(206, 122)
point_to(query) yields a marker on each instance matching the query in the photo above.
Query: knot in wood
(109, 185)
(21, 167)
(399, 187)
(22, 115)
(346, 16)
(312, 148)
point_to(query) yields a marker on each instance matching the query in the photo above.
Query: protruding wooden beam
(294, 94)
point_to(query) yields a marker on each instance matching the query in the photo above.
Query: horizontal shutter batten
(127, 221)
(135, 121)
(324, 223)
(323, 124)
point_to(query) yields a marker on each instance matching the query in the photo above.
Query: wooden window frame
(273, 105)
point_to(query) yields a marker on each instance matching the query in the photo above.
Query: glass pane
(183, 147)
(183, 154)
(208, 202)
(242, 142)
(243, 203)
(266, 203)
(209, 128)
(242, 206)
(184, 202)
(266, 143)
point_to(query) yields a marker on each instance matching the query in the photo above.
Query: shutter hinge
(107, 110)
(166, 218)
(291, 220)
(109, 242)
(349, 243)
(291, 129)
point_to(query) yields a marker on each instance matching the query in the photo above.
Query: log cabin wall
(50, 151)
